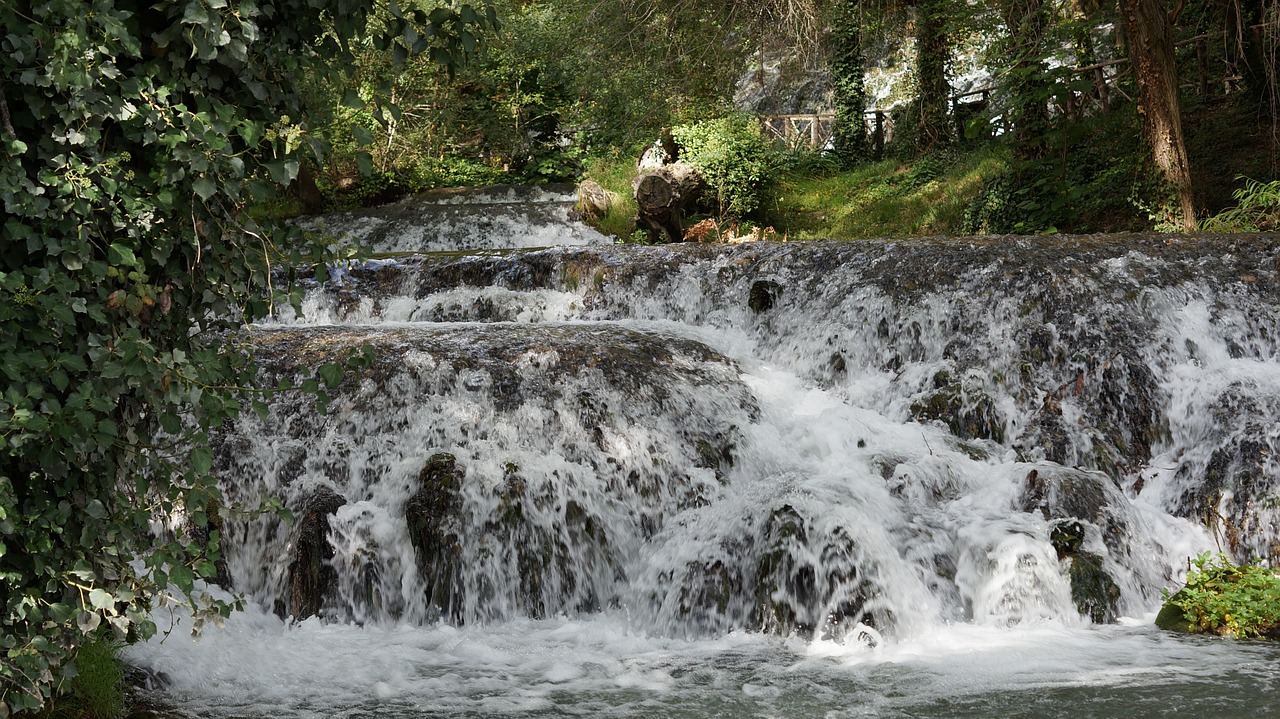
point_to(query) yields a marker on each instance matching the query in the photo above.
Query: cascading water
(933, 478)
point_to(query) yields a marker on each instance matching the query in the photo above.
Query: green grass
(890, 198)
(97, 690)
(614, 174)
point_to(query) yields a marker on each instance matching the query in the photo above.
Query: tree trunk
(1028, 22)
(849, 92)
(933, 54)
(663, 196)
(1150, 41)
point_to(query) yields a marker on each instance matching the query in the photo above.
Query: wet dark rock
(968, 411)
(1172, 618)
(433, 514)
(764, 295)
(786, 587)
(1093, 590)
(1233, 486)
(311, 574)
(555, 558)
(628, 359)
(715, 451)
(709, 591)
(1066, 493)
(795, 594)
(1077, 501)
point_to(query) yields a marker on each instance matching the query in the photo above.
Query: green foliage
(849, 91)
(734, 158)
(1222, 598)
(96, 691)
(132, 137)
(934, 30)
(886, 198)
(614, 173)
(1090, 174)
(557, 86)
(1257, 209)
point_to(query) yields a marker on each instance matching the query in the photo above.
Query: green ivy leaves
(131, 142)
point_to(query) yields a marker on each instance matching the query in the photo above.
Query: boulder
(967, 410)
(1172, 618)
(311, 574)
(764, 295)
(1075, 501)
(433, 514)
(594, 201)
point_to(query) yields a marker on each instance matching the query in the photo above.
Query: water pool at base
(598, 667)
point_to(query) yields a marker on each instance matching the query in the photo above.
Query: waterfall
(856, 444)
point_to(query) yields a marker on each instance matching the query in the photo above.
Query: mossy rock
(969, 412)
(1172, 618)
(764, 295)
(311, 576)
(1093, 590)
(433, 514)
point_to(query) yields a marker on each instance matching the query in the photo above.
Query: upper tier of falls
(501, 216)
(834, 439)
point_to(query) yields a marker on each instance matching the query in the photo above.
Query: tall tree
(933, 58)
(1028, 21)
(849, 92)
(1149, 30)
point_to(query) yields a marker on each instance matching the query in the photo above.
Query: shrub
(1222, 598)
(734, 157)
(1257, 209)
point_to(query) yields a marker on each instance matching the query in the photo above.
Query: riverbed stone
(1076, 502)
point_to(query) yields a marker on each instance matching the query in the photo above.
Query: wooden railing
(797, 131)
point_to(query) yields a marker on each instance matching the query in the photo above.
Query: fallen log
(663, 197)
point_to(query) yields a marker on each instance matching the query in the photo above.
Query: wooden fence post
(1100, 85)
(877, 144)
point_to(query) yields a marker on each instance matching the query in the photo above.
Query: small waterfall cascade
(854, 441)
(944, 477)
(463, 219)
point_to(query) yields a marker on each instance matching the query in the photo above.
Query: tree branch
(4, 114)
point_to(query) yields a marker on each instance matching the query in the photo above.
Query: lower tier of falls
(642, 462)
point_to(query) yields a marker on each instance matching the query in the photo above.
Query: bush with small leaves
(734, 157)
(1222, 598)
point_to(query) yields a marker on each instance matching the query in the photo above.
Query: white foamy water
(602, 666)
(450, 221)
(951, 490)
